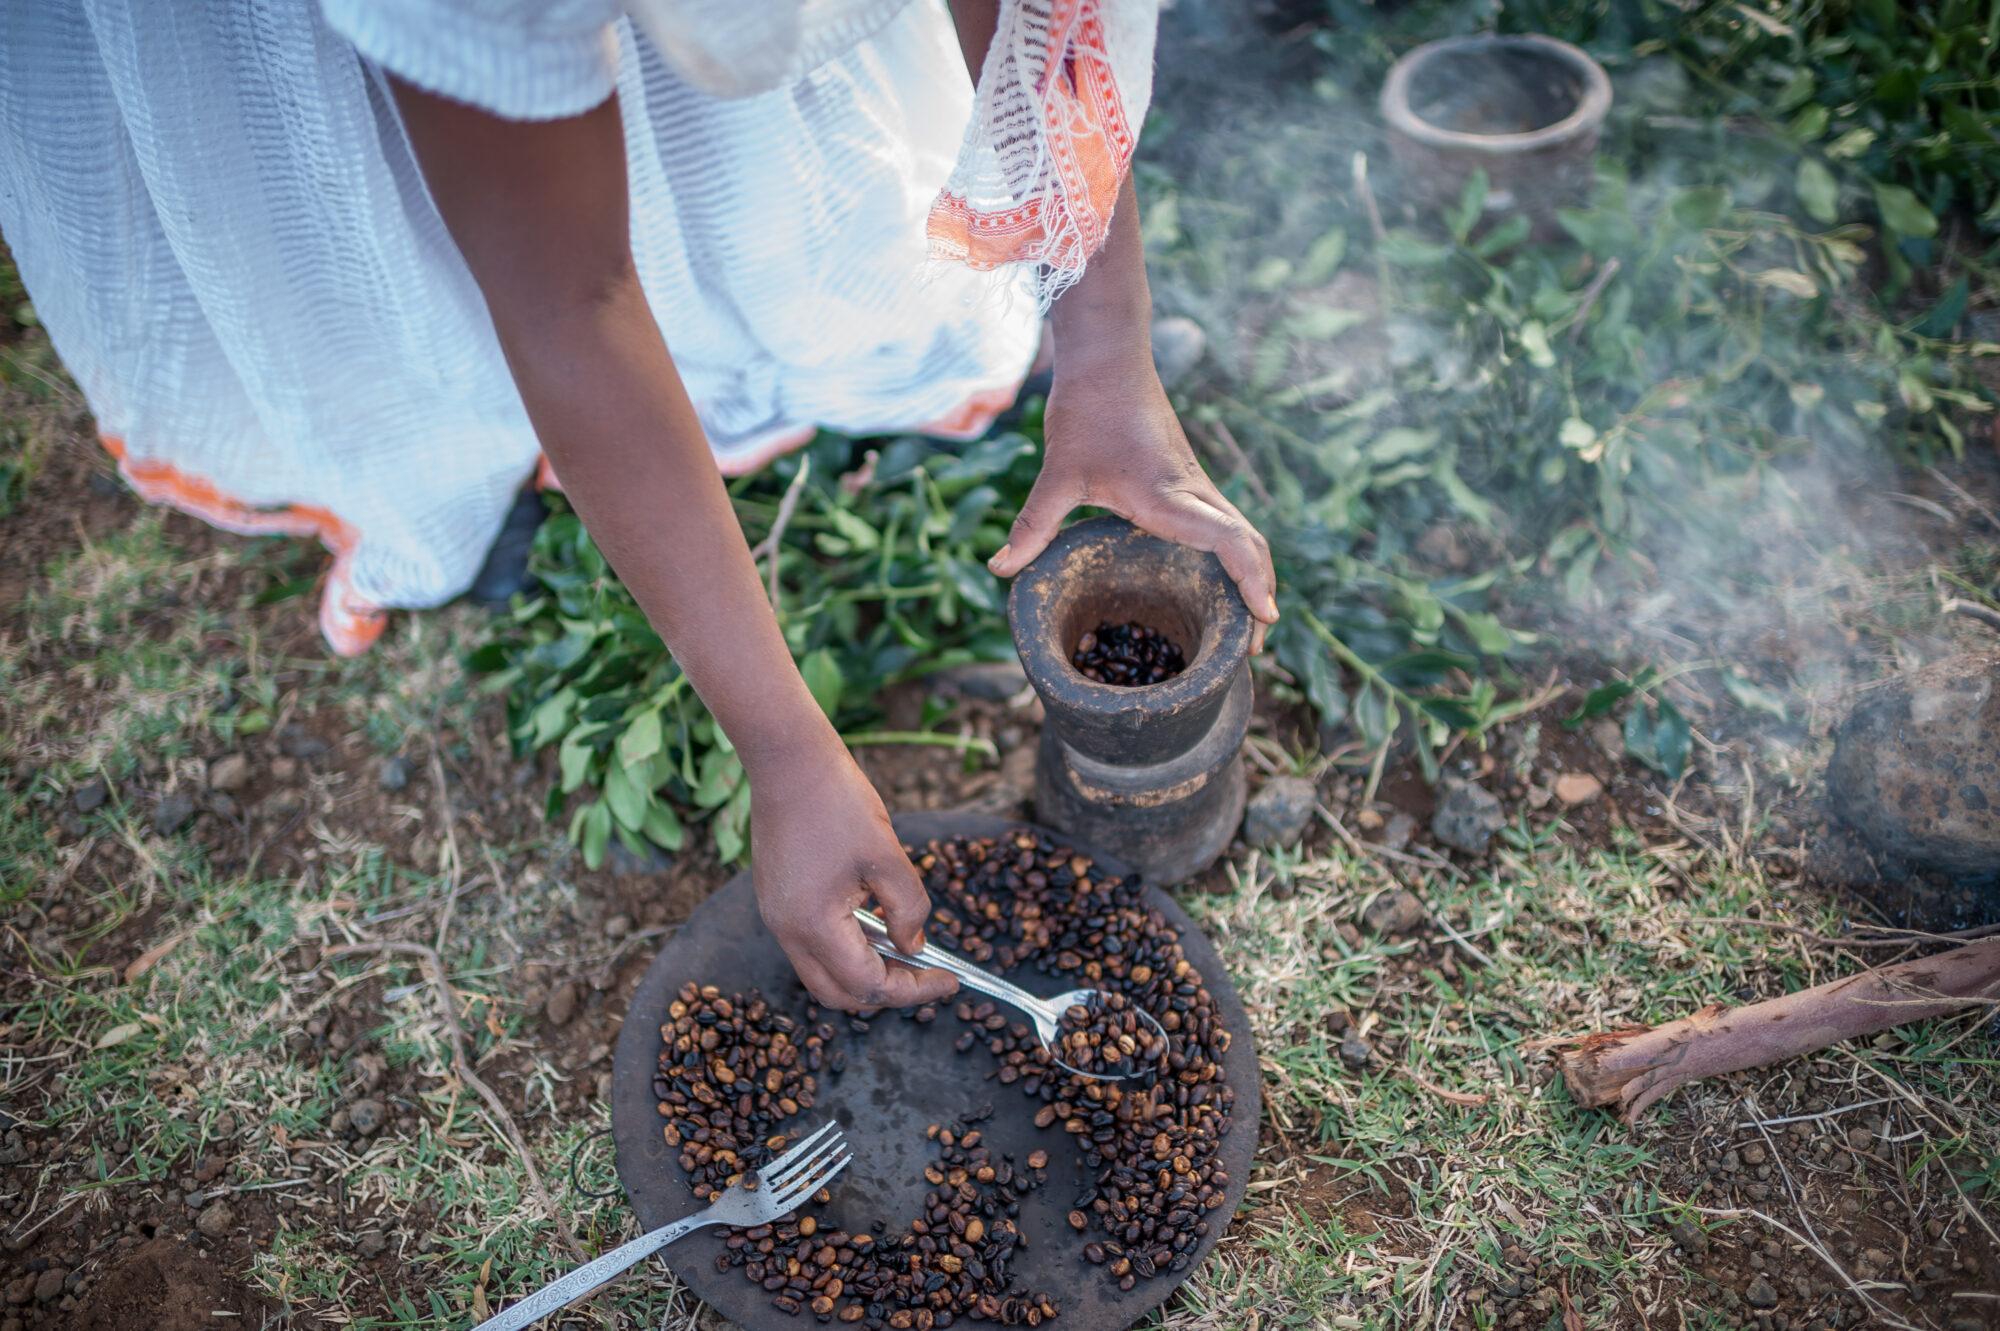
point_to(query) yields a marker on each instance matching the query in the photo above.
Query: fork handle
(568, 1289)
(937, 959)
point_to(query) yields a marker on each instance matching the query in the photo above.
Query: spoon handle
(936, 958)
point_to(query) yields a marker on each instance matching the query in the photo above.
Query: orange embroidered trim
(1090, 146)
(350, 622)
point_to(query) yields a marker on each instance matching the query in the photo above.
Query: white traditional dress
(215, 210)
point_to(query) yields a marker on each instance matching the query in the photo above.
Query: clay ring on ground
(900, 1077)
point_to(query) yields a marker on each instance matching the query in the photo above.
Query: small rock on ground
(295, 741)
(1354, 1052)
(987, 681)
(371, 1244)
(230, 772)
(215, 1220)
(394, 773)
(90, 796)
(1394, 912)
(173, 812)
(1761, 1294)
(1278, 813)
(1178, 346)
(50, 1287)
(1578, 787)
(562, 1004)
(367, 1116)
(1467, 817)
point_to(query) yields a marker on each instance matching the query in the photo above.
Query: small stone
(284, 769)
(49, 1287)
(13, 1148)
(1760, 1294)
(1368, 820)
(1755, 1154)
(1467, 817)
(984, 681)
(1394, 912)
(215, 1220)
(294, 741)
(618, 926)
(369, 1071)
(1689, 1238)
(210, 1168)
(230, 772)
(394, 773)
(562, 1004)
(1278, 813)
(371, 1244)
(171, 814)
(1396, 833)
(367, 1116)
(1354, 1052)
(1178, 346)
(1574, 788)
(90, 796)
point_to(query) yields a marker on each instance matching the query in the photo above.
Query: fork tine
(797, 1151)
(794, 1193)
(796, 1168)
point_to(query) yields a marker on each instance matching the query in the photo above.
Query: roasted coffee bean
(1127, 654)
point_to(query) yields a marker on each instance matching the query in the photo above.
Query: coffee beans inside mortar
(1127, 654)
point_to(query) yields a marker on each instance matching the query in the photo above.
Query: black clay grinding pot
(1151, 774)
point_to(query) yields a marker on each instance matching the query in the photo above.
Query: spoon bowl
(1045, 1014)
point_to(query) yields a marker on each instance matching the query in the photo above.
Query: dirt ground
(379, 801)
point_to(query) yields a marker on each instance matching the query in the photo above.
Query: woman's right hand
(821, 844)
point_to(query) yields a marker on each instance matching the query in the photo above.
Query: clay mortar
(1524, 109)
(1151, 774)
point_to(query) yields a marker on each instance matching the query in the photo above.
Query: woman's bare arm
(1112, 438)
(539, 211)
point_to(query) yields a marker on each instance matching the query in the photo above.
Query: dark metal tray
(899, 1078)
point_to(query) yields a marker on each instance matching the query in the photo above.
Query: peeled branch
(1637, 1065)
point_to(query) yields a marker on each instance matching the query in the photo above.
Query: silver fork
(781, 1186)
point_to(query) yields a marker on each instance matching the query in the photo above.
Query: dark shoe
(504, 575)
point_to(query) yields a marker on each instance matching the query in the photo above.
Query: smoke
(1754, 457)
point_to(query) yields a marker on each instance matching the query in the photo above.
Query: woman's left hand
(1113, 441)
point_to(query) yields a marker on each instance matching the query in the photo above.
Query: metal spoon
(1045, 1013)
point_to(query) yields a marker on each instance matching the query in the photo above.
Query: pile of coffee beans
(1127, 654)
(1107, 1038)
(731, 1070)
(735, 1076)
(1151, 1143)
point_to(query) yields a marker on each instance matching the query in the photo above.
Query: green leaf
(596, 832)
(574, 756)
(1535, 341)
(1789, 280)
(721, 771)
(663, 826)
(641, 739)
(1903, 212)
(1809, 124)
(823, 679)
(1850, 145)
(1753, 696)
(1269, 275)
(854, 530)
(1944, 315)
(552, 717)
(626, 801)
(732, 826)
(1464, 215)
(1323, 257)
(1701, 207)
(1819, 192)
(1400, 443)
(1322, 323)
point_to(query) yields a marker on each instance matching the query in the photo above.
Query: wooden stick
(1636, 1066)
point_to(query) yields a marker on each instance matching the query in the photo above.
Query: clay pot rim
(1205, 674)
(1586, 118)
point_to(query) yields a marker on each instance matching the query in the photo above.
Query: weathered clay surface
(1916, 767)
(1151, 774)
